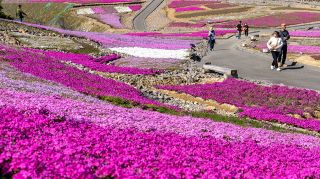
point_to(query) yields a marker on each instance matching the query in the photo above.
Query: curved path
(257, 66)
(140, 18)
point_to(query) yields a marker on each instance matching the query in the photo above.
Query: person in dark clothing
(211, 38)
(20, 14)
(239, 29)
(285, 36)
(246, 29)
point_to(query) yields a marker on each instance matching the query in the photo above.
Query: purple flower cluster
(243, 94)
(74, 57)
(52, 69)
(104, 114)
(277, 116)
(304, 49)
(309, 33)
(69, 1)
(39, 146)
(275, 20)
(93, 63)
(15, 80)
(136, 7)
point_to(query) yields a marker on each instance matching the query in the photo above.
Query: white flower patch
(85, 11)
(122, 9)
(152, 53)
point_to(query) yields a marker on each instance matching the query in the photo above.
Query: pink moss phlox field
(51, 69)
(117, 40)
(63, 56)
(68, 1)
(284, 100)
(304, 49)
(136, 7)
(52, 120)
(52, 147)
(12, 79)
(309, 33)
(190, 8)
(42, 144)
(277, 116)
(94, 63)
(276, 20)
(104, 114)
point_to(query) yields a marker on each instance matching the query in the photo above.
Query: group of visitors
(278, 46)
(242, 28)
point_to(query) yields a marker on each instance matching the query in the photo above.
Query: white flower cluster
(152, 53)
(85, 11)
(122, 9)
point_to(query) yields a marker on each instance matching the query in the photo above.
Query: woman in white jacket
(274, 45)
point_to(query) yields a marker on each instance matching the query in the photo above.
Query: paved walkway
(257, 66)
(139, 20)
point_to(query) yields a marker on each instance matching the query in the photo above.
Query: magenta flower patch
(279, 101)
(191, 8)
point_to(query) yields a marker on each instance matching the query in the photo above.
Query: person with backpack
(239, 29)
(20, 14)
(275, 44)
(285, 36)
(211, 38)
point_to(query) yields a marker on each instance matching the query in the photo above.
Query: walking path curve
(257, 66)
(140, 18)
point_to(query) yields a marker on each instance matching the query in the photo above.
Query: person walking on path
(211, 38)
(239, 29)
(20, 14)
(246, 29)
(285, 36)
(275, 45)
